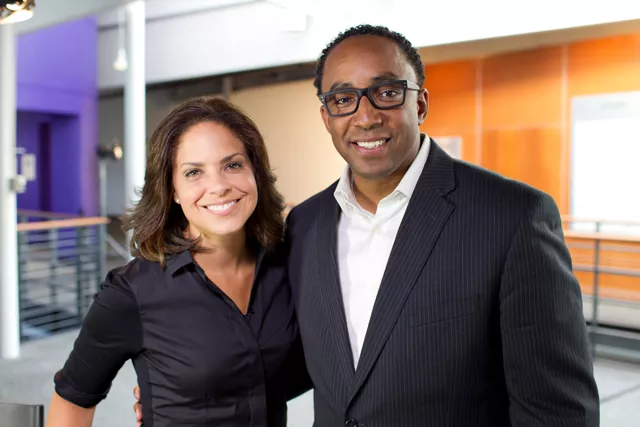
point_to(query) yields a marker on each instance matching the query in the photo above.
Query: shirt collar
(177, 261)
(410, 179)
(344, 190)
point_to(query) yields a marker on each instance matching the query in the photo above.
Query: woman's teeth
(222, 207)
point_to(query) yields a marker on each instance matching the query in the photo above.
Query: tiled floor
(29, 380)
(619, 386)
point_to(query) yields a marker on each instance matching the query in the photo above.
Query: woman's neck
(227, 253)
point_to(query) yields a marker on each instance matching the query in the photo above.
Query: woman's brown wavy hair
(157, 222)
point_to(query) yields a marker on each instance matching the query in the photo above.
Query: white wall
(300, 149)
(605, 148)
(250, 36)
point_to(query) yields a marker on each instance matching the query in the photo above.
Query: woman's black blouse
(199, 360)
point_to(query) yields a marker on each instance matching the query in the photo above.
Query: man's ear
(325, 117)
(423, 105)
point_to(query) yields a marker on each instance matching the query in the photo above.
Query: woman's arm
(297, 377)
(63, 414)
(111, 334)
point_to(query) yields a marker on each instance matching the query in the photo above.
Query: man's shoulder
(490, 184)
(310, 208)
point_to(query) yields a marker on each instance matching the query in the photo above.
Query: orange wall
(513, 110)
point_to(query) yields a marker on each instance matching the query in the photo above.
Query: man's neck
(369, 192)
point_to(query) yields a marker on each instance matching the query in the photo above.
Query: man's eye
(390, 93)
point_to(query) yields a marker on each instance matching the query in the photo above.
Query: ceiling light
(121, 63)
(14, 6)
(12, 11)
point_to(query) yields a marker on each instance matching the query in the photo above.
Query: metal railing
(62, 260)
(606, 261)
(60, 269)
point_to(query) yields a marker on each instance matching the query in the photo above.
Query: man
(428, 291)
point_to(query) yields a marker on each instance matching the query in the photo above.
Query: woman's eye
(192, 173)
(235, 166)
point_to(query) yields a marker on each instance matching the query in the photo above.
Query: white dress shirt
(364, 245)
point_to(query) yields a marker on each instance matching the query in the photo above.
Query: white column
(102, 252)
(134, 102)
(9, 308)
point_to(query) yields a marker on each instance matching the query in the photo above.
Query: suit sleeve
(546, 350)
(298, 379)
(111, 333)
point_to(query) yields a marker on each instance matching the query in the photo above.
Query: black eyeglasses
(383, 96)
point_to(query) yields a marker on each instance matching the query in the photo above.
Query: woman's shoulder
(132, 275)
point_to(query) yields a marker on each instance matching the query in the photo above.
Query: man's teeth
(371, 144)
(221, 207)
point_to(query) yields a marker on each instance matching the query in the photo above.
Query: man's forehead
(369, 45)
(363, 79)
(364, 62)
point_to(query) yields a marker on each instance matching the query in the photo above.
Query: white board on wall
(605, 160)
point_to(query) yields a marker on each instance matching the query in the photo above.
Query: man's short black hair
(410, 52)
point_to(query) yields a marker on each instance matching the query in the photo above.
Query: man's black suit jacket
(478, 320)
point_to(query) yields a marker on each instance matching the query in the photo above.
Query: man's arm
(546, 350)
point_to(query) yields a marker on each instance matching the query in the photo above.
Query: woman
(204, 310)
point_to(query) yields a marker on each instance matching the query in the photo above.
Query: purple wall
(28, 138)
(57, 84)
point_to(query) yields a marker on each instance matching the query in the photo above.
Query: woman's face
(213, 182)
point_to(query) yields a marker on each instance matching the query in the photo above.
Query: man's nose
(367, 116)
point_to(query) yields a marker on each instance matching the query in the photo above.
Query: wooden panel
(605, 65)
(522, 89)
(612, 256)
(527, 155)
(452, 90)
(452, 102)
(522, 103)
(613, 286)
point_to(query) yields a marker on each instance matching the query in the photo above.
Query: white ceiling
(246, 35)
(52, 12)
(193, 38)
(520, 42)
(160, 9)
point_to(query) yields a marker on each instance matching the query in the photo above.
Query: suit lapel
(330, 290)
(424, 219)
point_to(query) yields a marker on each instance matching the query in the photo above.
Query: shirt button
(351, 423)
